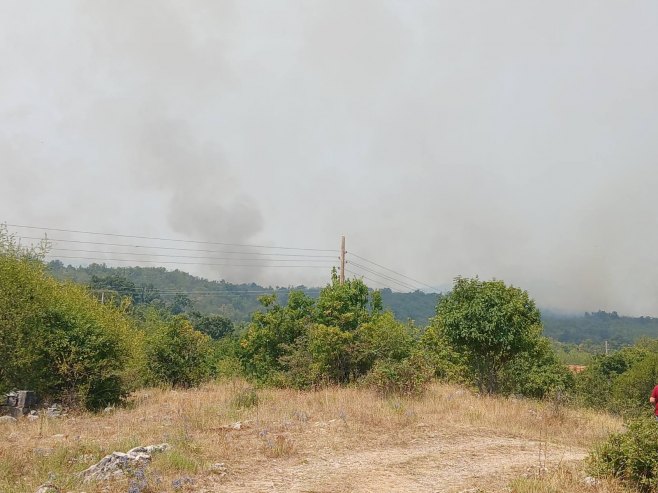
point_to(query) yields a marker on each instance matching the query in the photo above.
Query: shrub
(58, 340)
(536, 373)
(178, 355)
(245, 399)
(631, 456)
(382, 338)
(407, 377)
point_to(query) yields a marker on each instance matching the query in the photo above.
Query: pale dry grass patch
(279, 428)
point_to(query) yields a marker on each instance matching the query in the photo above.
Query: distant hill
(598, 327)
(236, 301)
(239, 301)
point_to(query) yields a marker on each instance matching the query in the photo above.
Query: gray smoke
(513, 140)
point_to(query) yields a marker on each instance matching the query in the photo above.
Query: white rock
(113, 465)
(47, 488)
(7, 419)
(590, 481)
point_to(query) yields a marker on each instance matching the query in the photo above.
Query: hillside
(236, 301)
(226, 437)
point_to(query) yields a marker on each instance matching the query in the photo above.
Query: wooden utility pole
(342, 259)
(606, 348)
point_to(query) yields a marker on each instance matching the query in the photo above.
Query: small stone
(219, 468)
(590, 481)
(7, 419)
(48, 488)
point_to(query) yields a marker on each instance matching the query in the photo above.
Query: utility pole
(102, 297)
(606, 348)
(342, 259)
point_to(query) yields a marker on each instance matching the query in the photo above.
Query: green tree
(216, 326)
(178, 355)
(345, 305)
(272, 332)
(57, 339)
(490, 323)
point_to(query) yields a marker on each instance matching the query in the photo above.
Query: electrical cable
(185, 256)
(55, 257)
(117, 235)
(393, 271)
(155, 247)
(367, 269)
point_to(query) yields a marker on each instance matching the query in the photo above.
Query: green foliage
(405, 377)
(383, 338)
(447, 363)
(490, 323)
(178, 355)
(272, 332)
(344, 305)
(593, 329)
(595, 387)
(631, 456)
(330, 352)
(245, 398)
(58, 340)
(215, 326)
(536, 372)
(631, 390)
(334, 340)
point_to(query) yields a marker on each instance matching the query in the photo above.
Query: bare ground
(428, 463)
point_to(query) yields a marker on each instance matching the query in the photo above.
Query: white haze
(509, 139)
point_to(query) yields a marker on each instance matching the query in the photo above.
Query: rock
(48, 488)
(590, 481)
(7, 419)
(54, 411)
(117, 463)
(32, 417)
(219, 468)
(233, 426)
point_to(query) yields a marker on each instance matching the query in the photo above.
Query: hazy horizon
(514, 140)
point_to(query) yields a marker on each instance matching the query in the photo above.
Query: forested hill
(236, 301)
(239, 301)
(598, 327)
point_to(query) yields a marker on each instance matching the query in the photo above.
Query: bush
(536, 373)
(178, 355)
(58, 340)
(631, 456)
(407, 377)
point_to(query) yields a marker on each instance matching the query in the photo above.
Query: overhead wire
(158, 247)
(183, 263)
(189, 256)
(384, 276)
(392, 271)
(117, 235)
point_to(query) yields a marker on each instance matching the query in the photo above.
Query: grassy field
(329, 440)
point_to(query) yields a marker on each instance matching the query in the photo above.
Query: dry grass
(287, 433)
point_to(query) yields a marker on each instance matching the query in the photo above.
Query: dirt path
(436, 464)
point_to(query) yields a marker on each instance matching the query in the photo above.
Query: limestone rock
(7, 419)
(48, 488)
(117, 463)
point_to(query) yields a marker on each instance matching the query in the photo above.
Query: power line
(391, 270)
(185, 263)
(117, 235)
(367, 278)
(156, 247)
(187, 256)
(367, 269)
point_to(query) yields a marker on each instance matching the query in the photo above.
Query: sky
(515, 140)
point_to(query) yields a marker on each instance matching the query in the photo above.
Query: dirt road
(428, 463)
